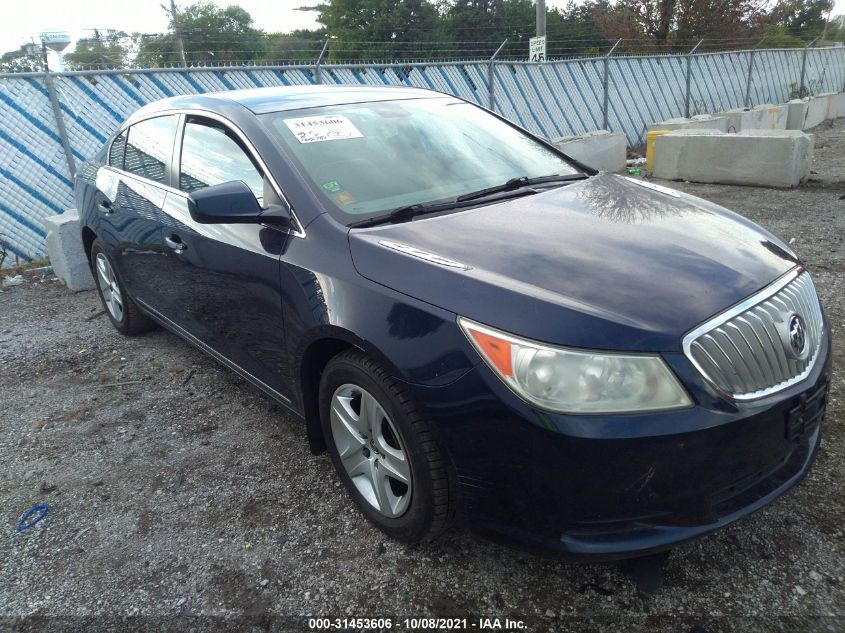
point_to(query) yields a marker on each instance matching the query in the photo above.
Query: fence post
(750, 72)
(491, 79)
(318, 72)
(607, 84)
(60, 122)
(801, 94)
(689, 76)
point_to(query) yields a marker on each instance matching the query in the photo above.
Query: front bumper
(610, 487)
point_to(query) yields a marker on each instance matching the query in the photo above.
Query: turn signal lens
(496, 350)
(569, 380)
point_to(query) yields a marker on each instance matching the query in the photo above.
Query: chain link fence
(50, 122)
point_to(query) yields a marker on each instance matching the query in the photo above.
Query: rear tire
(122, 311)
(400, 478)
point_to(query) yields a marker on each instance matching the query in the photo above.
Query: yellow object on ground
(649, 146)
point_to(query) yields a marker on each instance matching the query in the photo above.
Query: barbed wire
(265, 49)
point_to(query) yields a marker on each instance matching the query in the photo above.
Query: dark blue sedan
(475, 326)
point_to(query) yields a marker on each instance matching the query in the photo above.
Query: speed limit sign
(537, 49)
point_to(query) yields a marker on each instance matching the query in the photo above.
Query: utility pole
(541, 18)
(177, 31)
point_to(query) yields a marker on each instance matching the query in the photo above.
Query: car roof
(280, 98)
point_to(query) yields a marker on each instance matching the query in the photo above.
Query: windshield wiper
(517, 183)
(406, 213)
(468, 199)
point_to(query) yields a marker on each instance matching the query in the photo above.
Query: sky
(22, 21)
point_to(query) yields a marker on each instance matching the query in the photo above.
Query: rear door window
(149, 146)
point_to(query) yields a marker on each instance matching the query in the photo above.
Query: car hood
(604, 263)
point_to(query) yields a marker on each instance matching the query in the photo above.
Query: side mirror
(232, 203)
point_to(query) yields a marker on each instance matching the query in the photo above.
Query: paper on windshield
(314, 129)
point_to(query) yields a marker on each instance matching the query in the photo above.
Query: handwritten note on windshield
(313, 129)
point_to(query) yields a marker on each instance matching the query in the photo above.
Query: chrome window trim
(723, 317)
(298, 231)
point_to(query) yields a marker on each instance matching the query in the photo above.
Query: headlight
(574, 381)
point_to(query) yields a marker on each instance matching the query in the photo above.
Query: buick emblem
(797, 335)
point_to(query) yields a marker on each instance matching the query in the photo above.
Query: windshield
(370, 158)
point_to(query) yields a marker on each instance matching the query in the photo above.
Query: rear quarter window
(117, 151)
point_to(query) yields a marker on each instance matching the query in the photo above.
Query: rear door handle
(105, 207)
(175, 243)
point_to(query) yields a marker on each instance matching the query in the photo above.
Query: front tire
(383, 450)
(124, 313)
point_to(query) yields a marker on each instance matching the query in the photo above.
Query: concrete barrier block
(602, 150)
(817, 109)
(836, 105)
(698, 122)
(67, 254)
(797, 112)
(710, 122)
(773, 158)
(762, 117)
(769, 117)
(738, 119)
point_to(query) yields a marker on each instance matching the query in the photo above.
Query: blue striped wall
(554, 99)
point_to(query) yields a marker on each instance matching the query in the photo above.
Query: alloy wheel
(109, 287)
(371, 450)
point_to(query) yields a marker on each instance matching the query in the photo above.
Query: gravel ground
(181, 498)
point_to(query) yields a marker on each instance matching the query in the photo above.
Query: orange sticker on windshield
(343, 198)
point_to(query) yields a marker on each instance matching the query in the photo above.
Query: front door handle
(105, 207)
(175, 243)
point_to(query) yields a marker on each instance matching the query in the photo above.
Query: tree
(681, 22)
(484, 20)
(100, 51)
(654, 17)
(573, 31)
(300, 45)
(25, 59)
(718, 19)
(570, 31)
(778, 37)
(379, 29)
(801, 18)
(210, 34)
(836, 29)
(616, 22)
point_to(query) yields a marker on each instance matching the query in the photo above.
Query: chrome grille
(747, 351)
